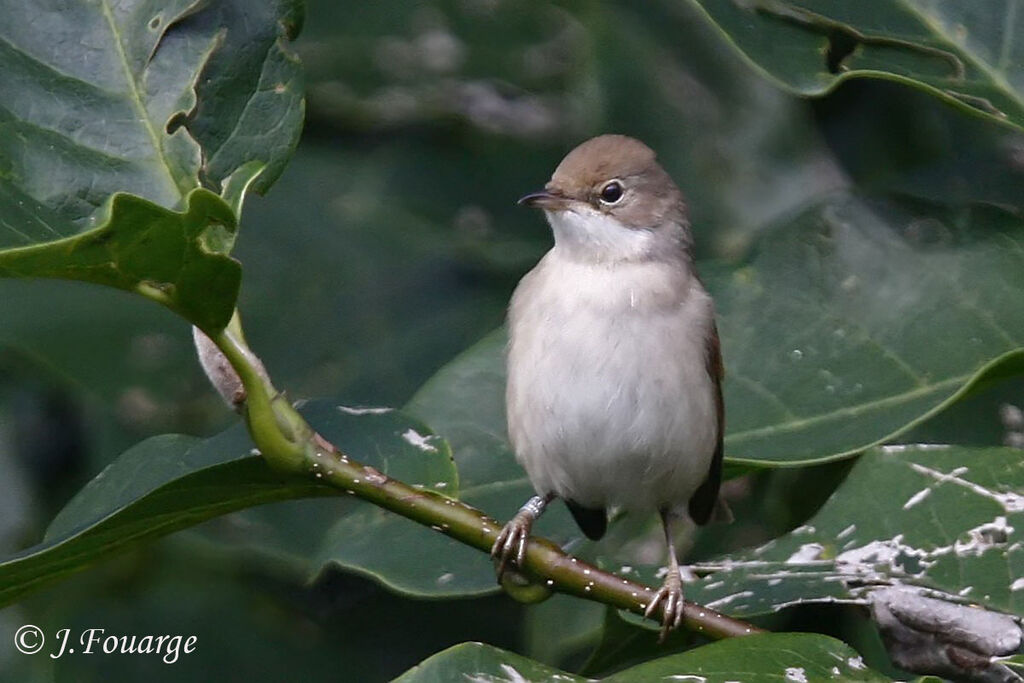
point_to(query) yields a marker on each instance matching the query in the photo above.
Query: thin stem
(278, 430)
(287, 441)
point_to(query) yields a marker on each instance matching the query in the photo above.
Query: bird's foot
(510, 547)
(670, 596)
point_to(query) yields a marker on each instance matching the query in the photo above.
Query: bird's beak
(544, 199)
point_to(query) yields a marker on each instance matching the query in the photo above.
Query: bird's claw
(510, 546)
(671, 594)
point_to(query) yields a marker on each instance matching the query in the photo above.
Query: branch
(930, 636)
(287, 442)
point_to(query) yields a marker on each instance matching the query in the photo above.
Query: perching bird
(614, 370)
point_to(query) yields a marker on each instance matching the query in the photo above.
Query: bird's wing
(703, 501)
(592, 521)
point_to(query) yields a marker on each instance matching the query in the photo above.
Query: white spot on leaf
(797, 674)
(916, 498)
(348, 410)
(730, 598)
(418, 440)
(1011, 502)
(808, 552)
(513, 676)
(983, 537)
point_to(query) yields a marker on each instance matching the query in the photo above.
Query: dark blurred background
(390, 244)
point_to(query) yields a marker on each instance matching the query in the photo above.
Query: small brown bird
(614, 371)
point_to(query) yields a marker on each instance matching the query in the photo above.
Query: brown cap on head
(616, 175)
(601, 159)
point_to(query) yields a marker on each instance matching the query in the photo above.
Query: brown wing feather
(702, 504)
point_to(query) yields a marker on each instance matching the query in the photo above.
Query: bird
(614, 367)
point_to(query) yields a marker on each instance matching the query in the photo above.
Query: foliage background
(390, 244)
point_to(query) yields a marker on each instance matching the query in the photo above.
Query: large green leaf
(110, 134)
(179, 259)
(564, 628)
(966, 52)
(441, 566)
(859, 318)
(766, 656)
(112, 109)
(251, 91)
(482, 663)
(762, 657)
(89, 119)
(171, 482)
(942, 518)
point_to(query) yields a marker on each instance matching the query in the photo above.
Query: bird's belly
(613, 410)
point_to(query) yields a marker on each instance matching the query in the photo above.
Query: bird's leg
(510, 545)
(671, 592)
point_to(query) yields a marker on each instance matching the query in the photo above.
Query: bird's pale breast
(609, 398)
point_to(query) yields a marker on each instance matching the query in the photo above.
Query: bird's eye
(611, 193)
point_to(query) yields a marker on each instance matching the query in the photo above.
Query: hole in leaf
(841, 45)
(176, 121)
(154, 23)
(216, 239)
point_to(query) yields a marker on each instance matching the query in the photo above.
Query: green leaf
(766, 656)
(483, 663)
(983, 418)
(416, 561)
(762, 657)
(178, 259)
(251, 91)
(142, 103)
(859, 318)
(170, 482)
(963, 52)
(89, 119)
(564, 628)
(143, 97)
(441, 566)
(1015, 664)
(943, 518)
(626, 642)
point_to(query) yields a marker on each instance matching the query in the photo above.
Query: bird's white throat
(585, 234)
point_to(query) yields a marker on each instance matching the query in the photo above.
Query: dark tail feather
(593, 521)
(705, 499)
